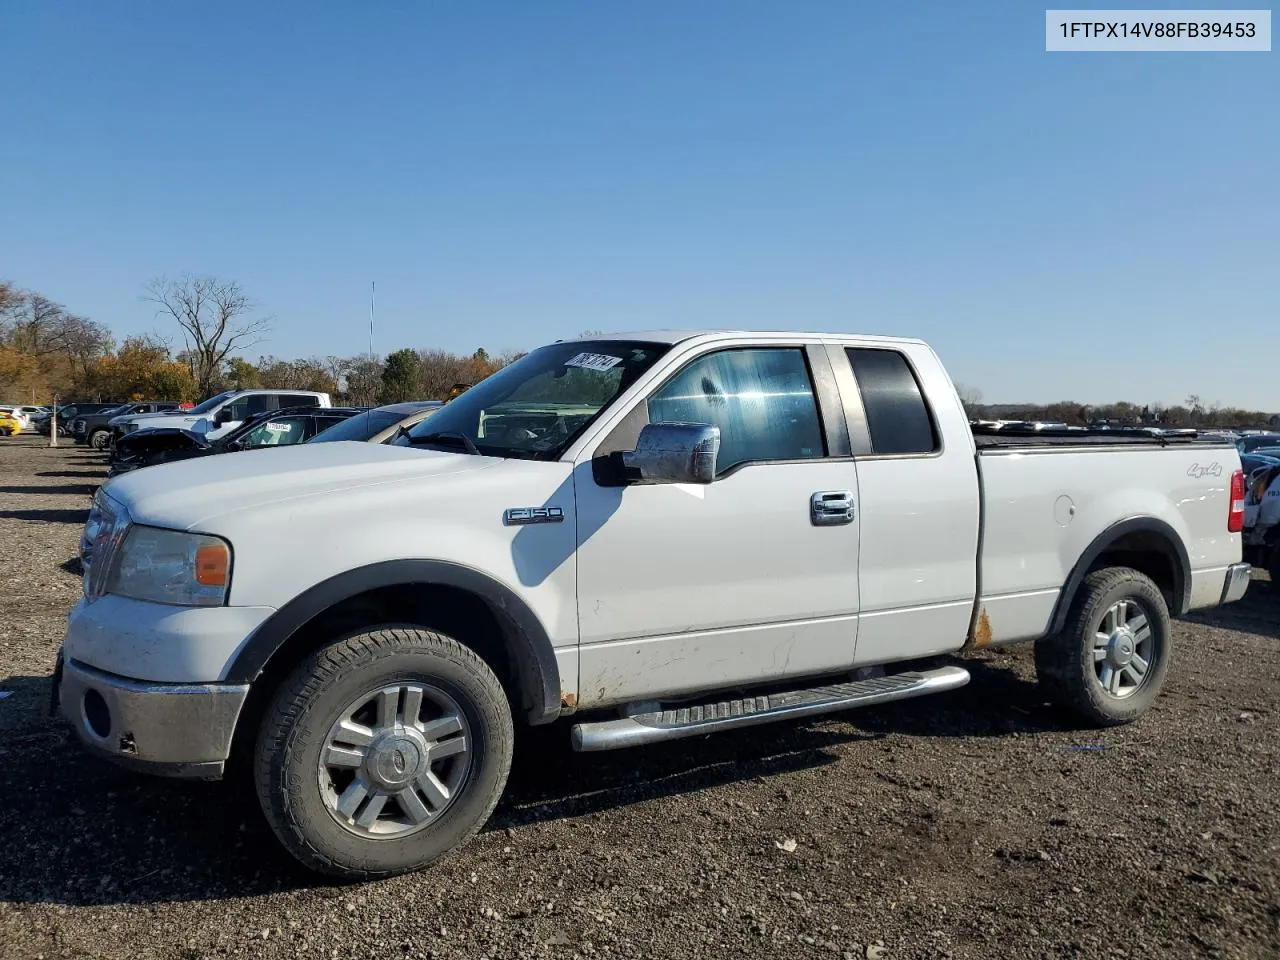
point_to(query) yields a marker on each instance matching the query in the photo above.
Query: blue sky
(1085, 226)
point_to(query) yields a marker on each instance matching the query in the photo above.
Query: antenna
(373, 291)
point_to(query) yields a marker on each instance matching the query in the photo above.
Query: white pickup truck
(661, 534)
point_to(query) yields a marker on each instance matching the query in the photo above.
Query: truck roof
(679, 336)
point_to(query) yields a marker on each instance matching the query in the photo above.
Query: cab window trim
(855, 408)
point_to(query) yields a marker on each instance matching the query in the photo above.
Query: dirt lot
(976, 824)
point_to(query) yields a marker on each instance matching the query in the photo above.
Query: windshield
(360, 427)
(276, 432)
(538, 405)
(210, 403)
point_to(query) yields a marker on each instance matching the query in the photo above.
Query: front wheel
(1110, 660)
(383, 752)
(100, 439)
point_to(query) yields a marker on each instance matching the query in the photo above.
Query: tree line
(1192, 412)
(47, 351)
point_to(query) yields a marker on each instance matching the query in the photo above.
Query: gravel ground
(975, 824)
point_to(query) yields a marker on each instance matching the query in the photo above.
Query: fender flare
(532, 650)
(1175, 550)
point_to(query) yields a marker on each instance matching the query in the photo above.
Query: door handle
(831, 508)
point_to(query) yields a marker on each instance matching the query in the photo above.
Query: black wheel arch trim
(535, 656)
(1108, 538)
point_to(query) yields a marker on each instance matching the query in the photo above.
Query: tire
(1065, 662)
(100, 439)
(300, 796)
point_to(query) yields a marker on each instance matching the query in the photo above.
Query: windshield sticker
(279, 427)
(593, 361)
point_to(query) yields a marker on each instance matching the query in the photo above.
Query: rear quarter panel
(1043, 508)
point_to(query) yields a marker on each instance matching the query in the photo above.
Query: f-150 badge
(521, 516)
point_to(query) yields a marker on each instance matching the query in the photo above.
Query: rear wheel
(100, 439)
(1110, 661)
(383, 752)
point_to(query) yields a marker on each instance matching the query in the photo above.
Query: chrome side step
(731, 714)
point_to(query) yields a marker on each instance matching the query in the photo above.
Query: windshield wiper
(439, 435)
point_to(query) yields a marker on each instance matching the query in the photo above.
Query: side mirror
(673, 453)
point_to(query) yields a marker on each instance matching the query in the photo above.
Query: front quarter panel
(284, 549)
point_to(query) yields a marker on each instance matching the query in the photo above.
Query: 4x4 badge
(520, 516)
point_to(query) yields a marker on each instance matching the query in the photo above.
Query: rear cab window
(897, 414)
(297, 400)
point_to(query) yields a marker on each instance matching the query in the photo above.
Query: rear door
(321, 422)
(686, 587)
(918, 488)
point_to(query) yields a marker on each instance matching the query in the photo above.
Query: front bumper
(178, 730)
(1236, 582)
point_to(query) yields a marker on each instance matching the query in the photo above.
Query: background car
(271, 428)
(67, 414)
(10, 424)
(1266, 457)
(94, 428)
(28, 412)
(1257, 441)
(379, 424)
(15, 413)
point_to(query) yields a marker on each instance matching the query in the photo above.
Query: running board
(731, 714)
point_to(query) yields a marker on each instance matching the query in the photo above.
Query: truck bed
(1047, 496)
(986, 438)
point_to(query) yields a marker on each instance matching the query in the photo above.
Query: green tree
(399, 377)
(240, 374)
(361, 379)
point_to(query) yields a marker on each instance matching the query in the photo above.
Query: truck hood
(156, 438)
(187, 494)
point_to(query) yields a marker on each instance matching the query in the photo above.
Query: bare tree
(10, 297)
(214, 318)
(363, 378)
(34, 318)
(82, 340)
(970, 397)
(438, 370)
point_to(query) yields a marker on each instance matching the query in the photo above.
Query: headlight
(168, 566)
(106, 525)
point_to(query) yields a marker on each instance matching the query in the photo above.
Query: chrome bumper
(1236, 582)
(177, 730)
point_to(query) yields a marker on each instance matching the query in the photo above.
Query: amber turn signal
(213, 560)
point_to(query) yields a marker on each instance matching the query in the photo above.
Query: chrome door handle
(831, 508)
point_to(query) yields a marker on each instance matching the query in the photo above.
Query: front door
(237, 412)
(686, 587)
